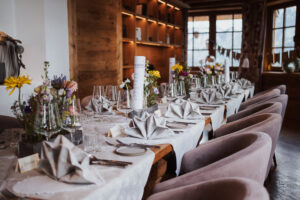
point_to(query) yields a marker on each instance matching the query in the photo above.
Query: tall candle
(138, 87)
(226, 72)
(172, 62)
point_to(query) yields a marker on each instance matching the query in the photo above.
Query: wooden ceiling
(202, 5)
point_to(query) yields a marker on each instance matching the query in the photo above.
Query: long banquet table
(117, 183)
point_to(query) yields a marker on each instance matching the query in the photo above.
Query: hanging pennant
(238, 56)
(228, 52)
(277, 57)
(285, 56)
(234, 55)
(219, 49)
(292, 55)
(223, 51)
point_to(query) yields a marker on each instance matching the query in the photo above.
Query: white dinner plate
(130, 151)
(176, 125)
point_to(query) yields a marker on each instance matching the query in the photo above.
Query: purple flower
(183, 73)
(59, 82)
(68, 92)
(27, 109)
(155, 90)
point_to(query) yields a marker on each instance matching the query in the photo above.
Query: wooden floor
(284, 182)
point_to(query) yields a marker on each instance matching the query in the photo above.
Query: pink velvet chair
(282, 89)
(9, 122)
(267, 123)
(259, 99)
(233, 188)
(243, 155)
(275, 107)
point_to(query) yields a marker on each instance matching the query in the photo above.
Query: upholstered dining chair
(85, 101)
(283, 99)
(233, 188)
(268, 123)
(261, 98)
(9, 122)
(243, 155)
(282, 89)
(275, 107)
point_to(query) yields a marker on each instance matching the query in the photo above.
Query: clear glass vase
(47, 119)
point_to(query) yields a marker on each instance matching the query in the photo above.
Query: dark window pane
(277, 38)
(237, 40)
(274, 52)
(224, 40)
(201, 41)
(199, 55)
(289, 37)
(224, 23)
(201, 24)
(236, 62)
(290, 16)
(278, 18)
(238, 22)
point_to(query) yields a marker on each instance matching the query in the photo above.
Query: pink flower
(72, 85)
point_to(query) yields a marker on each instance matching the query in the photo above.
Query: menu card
(172, 62)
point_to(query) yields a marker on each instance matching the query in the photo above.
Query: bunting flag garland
(285, 56)
(228, 53)
(223, 51)
(219, 49)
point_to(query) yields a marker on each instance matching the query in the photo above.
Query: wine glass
(98, 91)
(124, 103)
(71, 116)
(47, 120)
(112, 93)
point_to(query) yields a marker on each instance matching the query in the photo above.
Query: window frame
(212, 30)
(269, 65)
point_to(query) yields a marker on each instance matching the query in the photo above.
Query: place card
(27, 163)
(172, 62)
(115, 131)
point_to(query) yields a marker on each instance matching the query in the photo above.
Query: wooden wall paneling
(152, 31)
(170, 32)
(162, 33)
(152, 9)
(72, 28)
(128, 23)
(99, 44)
(129, 5)
(162, 12)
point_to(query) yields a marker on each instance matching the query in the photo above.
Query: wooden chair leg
(274, 160)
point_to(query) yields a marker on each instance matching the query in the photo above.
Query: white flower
(146, 83)
(127, 81)
(190, 75)
(122, 85)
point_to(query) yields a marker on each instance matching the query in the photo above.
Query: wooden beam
(196, 11)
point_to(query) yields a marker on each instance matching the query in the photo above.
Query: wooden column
(95, 43)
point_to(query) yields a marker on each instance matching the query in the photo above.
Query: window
(198, 37)
(228, 31)
(229, 36)
(283, 33)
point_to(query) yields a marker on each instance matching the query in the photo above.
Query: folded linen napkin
(183, 109)
(148, 126)
(65, 162)
(100, 105)
(208, 96)
(223, 91)
(244, 83)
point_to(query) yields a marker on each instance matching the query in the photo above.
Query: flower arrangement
(25, 111)
(211, 69)
(182, 73)
(150, 85)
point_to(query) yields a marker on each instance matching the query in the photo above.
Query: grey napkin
(208, 96)
(183, 109)
(148, 126)
(63, 161)
(224, 91)
(244, 83)
(101, 105)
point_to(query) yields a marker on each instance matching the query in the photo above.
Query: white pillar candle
(138, 87)
(172, 62)
(226, 71)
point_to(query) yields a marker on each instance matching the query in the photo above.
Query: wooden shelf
(161, 27)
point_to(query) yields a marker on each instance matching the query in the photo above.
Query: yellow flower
(211, 66)
(178, 67)
(12, 83)
(154, 73)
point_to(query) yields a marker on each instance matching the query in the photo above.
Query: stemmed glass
(112, 93)
(98, 91)
(124, 103)
(71, 116)
(47, 120)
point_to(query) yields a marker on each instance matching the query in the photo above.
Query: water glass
(89, 142)
(172, 90)
(111, 93)
(124, 103)
(181, 89)
(204, 80)
(98, 91)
